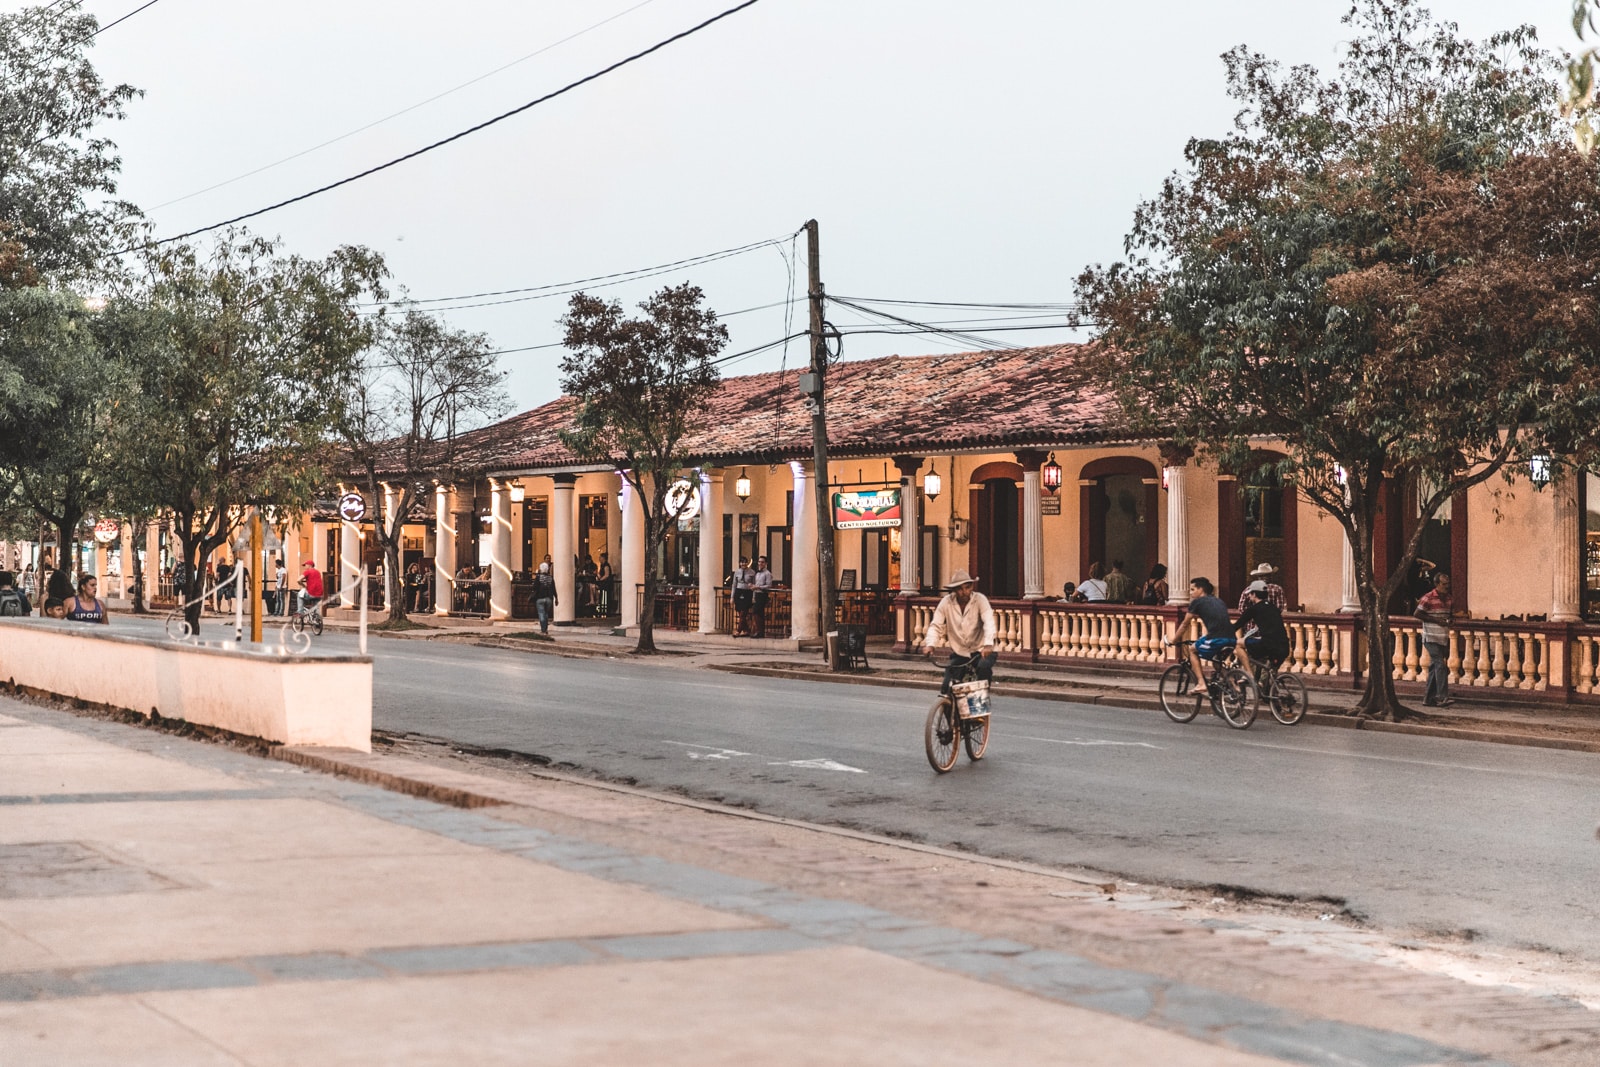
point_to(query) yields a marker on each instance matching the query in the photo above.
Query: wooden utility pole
(819, 434)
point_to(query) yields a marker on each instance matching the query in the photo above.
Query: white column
(1350, 592)
(563, 520)
(391, 585)
(499, 550)
(910, 525)
(1032, 534)
(1566, 595)
(631, 571)
(444, 548)
(1177, 535)
(711, 546)
(349, 563)
(803, 608)
(100, 557)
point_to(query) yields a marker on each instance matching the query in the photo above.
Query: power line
(921, 327)
(123, 19)
(402, 111)
(979, 304)
(456, 136)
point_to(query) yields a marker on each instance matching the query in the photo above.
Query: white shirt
(965, 630)
(1093, 589)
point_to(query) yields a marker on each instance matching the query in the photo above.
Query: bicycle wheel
(1238, 699)
(1178, 698)
(939, 736)
(297, 622)
(1287, 698)
(316, 623)
(975, 734)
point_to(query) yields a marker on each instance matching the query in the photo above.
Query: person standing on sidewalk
(1435, 609)
(544, 596)
(759, 596)
(744, 587)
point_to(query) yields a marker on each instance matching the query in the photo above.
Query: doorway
(996, 552)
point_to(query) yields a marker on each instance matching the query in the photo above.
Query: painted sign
(107, 531)
(352, 508)
(875, 510)
(683, 503)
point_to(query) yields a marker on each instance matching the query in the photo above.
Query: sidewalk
(164, 901)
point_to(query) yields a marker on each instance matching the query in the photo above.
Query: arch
(1107, 490)
(995, 552)
(1256, 499)
(998, 469)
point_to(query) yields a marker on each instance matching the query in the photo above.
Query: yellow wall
(1510, 549)
(1321, 559)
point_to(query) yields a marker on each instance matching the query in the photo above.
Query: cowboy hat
(1263, 569)
(958, 579)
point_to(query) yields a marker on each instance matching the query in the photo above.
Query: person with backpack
(544, 595)
(13, 601)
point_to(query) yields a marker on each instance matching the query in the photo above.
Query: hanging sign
(352, 508)
(875, 510)
(107, 531)
(683, 504)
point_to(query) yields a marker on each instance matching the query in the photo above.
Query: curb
(1116, 699)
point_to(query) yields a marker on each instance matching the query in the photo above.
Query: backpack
(544, 586)
(11, 604)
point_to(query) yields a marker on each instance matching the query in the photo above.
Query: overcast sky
(951, 151)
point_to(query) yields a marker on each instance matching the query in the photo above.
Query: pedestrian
(743, 581)
(13, 601)
(759, 596)
(280, 575)
(545, 597)
(1275, 595)
(223, 582)
(86, 605)
(1093, 588)
(1435, 610)
(1155, 589)
(1119, 587)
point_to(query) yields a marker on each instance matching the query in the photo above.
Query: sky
(950, 151)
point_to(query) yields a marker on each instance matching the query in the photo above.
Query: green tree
(58, 213)
(239, 364)
(409, 398)
(641, 387)
(1390, 271)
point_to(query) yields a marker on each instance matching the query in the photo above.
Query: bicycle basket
(971, 699)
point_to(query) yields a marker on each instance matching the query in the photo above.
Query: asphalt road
(1456, 838)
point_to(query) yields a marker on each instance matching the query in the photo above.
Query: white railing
(1126, 637)
(1487, 658)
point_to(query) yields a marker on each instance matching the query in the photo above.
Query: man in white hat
(1274, 594)
(964, 621)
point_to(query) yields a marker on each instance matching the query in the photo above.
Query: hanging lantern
(518, 493)
(1539, 468)
(1050, 473)
(932, 484)
(741, 488)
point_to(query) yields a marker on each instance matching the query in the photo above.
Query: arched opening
(1256, 524)
(995, 555)
(1118, 505)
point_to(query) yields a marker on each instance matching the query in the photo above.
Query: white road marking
(709, 751)
(1553, 776)
(817, 764)
(1080, 741)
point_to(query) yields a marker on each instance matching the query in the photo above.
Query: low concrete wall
(309, 699)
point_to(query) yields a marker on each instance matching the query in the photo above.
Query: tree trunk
(194, 582)
(140, 530)
(396, 604)
(654, 534)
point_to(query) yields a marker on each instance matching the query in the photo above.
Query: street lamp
(932, 484)
(1050, 474)
(518, 493)
(1539, 471)
(741, 488)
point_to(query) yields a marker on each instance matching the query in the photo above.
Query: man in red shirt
(1435, 610)
(310, 584)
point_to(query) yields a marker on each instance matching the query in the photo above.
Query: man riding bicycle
(1266, 638)
(964, 621)
(1213, 615)
(310, 585)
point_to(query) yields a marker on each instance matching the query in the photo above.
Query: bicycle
(953, 716)
(1233, 693)
(1283, 691)
(307, 617)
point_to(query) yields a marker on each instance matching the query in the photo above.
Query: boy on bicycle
(1213, 615)
(1262, 624)
(965, 621)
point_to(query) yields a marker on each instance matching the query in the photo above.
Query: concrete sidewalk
(166, 901)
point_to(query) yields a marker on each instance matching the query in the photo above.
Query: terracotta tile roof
(1032, 397)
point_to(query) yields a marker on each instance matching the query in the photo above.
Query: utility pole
(814, 390)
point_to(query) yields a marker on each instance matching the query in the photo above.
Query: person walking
(545, 597)
(1119, 587)
(1435, 609)
(761, 592)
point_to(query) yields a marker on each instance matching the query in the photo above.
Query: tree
(58, 218)
(411, 395)
(239, 364)
(1391, 272)
(641, 386)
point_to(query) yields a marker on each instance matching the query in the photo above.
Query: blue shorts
(1208, 648)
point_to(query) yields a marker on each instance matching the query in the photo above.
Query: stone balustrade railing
(1551, 661)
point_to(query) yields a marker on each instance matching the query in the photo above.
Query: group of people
(1117, 587)
(752, 588)
(62, 601)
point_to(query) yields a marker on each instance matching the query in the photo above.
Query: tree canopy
(1391, 271)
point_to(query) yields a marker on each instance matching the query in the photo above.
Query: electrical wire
(922, 327)
(402, 111)
(979, 304)
(123, 19)
(635, 57)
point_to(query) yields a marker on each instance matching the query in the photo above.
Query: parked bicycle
(959, 717)
(1231, 691)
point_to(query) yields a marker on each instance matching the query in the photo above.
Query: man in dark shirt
(1270, 641)
(1213, 615)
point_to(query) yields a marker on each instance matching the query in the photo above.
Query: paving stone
(446, 958)
(707, 943)
(314, 966)
(166, 976)
(40, 985)
(1323, 1043)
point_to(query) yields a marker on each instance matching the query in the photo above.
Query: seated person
(1069, 593)
(1093, 588)
(1205, 606)
(1266, 638)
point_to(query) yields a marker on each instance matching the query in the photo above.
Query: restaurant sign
(874, 510)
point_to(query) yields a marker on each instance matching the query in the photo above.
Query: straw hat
(958, 579)
(1262, 570)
